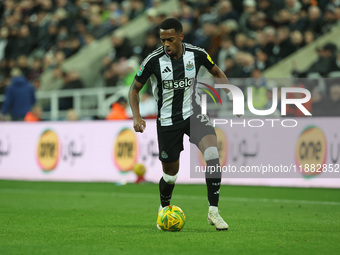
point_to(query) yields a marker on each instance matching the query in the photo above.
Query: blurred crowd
(244, 37)
(40, 34)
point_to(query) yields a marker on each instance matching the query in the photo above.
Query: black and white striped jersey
(174, 79)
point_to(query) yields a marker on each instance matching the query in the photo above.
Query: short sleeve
(144, 72)
(206, 59)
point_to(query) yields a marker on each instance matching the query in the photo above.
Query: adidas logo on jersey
(166, 70)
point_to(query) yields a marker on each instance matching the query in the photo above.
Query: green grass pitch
(101, 218)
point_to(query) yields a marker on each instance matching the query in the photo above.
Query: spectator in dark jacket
(20, 96)
(325, 63)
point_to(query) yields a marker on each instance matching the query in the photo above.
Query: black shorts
(170, 138)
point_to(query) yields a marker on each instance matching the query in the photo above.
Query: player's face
(172, 42)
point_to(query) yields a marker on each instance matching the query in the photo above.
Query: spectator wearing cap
(19, 98)
(325, 63)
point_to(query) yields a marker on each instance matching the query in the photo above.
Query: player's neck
(179, 54)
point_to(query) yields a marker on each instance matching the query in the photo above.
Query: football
(171, 218)
(139, 169)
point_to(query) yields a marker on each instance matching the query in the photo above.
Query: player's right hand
(139, 124)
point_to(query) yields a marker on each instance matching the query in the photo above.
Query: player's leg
(167, 182)
(203, 135)
(208, 147)
(170, 145)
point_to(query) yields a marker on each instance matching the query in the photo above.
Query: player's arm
(138, 123)
(222, 79)
(217, 73)
(214, 69)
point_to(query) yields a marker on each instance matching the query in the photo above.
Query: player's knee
(210, 153)
(170, 179)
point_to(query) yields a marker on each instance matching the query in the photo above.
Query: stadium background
(81, 57)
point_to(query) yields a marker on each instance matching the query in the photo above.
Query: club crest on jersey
(177, 84)
(164, 155)
(189, 66)
(140, 71)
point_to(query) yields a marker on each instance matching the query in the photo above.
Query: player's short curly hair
(171, 23)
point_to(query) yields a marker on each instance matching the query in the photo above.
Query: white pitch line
(155, 196)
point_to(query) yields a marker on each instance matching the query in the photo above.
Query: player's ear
(181, 36)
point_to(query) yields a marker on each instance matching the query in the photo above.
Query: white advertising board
(107, 151)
